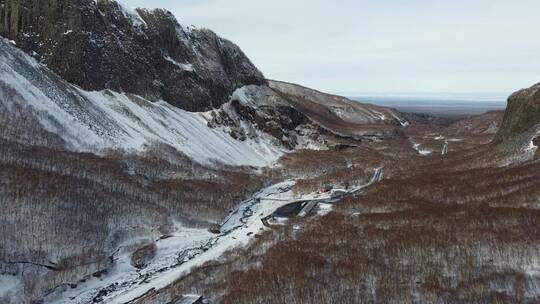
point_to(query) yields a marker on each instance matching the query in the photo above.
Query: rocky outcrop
(518, 135)
(143, 255)
(522, 113)
(102, 45)
(299, 117)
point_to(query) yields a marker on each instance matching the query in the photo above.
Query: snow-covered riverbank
(179, 253)
(187, 248)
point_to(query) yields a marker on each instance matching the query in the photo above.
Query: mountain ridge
(101, 45)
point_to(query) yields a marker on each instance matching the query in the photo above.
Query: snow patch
(145, 123)
(380, 115)
(183, 66)
(242, 96)
(402, 122)
(324, 209)
(423, 152)
(168, 252)
(531, 148)
(9, 286)
(131, 14)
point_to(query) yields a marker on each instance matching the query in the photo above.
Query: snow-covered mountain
(101, 44)
(101, 149)
(66, 116)
(97, 122)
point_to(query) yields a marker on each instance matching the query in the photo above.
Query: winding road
(303, 207)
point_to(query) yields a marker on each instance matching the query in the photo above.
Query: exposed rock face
(101, 45)
(143, 255)
(41, 109)
(521, 125)
(522, 113)
(300, 117)
(255, 108)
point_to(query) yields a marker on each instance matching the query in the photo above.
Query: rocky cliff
(517, 138)
(103, 45)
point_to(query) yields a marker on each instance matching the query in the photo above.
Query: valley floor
(426, 214)
(446, 227)
(187, 248)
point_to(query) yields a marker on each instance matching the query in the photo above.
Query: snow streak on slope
(145, 122)
(99, 121)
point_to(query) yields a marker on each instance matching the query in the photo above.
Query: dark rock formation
(298, 116)
(101, 45)
(522, 113)
(519, 131)
(143, 255)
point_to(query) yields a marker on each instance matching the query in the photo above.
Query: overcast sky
(361, 47)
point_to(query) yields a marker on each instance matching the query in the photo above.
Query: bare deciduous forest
(430, 232)
(52, 198)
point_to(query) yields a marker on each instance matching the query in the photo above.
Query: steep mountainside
(339, 114)
(522, 113)
(67, 212)
(124, 171)
(517, 138)
(42, 109)
(255, 128)
(102, 45)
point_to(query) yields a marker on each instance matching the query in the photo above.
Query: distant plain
(448, 106)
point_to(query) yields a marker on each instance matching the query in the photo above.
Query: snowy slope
(99, 121)
(346, 109)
